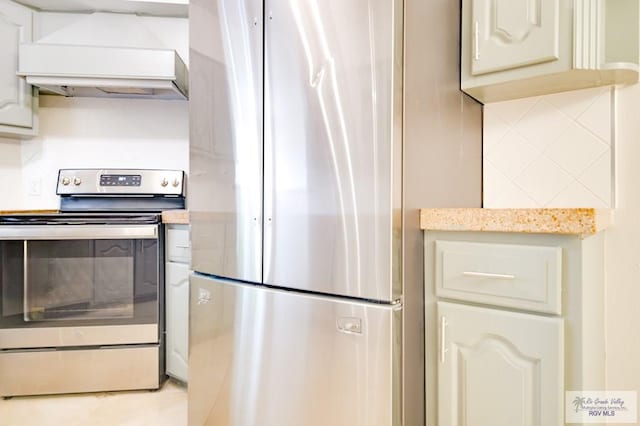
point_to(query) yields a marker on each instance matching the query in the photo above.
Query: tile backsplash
(91, 133)
(550, 151)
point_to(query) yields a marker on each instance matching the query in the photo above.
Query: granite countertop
(175, 217)
(14, 212)
(572, 221)
(169, 216)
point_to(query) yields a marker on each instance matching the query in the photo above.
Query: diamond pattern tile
(512, 155)
(597, 118)
(575, 102)
(576, 195)
(543, 180)
(494, 128)
(549, 151)
(504, 193)
(542, 124)
(576, 149)
(511, 111)
(598, 177)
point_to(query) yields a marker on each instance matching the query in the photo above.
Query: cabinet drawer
(518, 276)
(178, 245)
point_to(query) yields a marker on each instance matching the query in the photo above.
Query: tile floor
(166, 407)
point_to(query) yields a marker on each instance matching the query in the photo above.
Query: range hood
(103, 71)
(132, 66)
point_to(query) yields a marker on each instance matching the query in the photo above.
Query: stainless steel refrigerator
(314, 140)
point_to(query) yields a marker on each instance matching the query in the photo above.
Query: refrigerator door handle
(349, 325)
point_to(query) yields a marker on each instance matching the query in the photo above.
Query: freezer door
(281, 358)
(225, 110)
(333, 146)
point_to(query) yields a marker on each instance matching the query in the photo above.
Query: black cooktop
(81, 219)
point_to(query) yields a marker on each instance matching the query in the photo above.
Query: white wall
(549, 151)
(10, 174)
(623, 250)
(90, 132)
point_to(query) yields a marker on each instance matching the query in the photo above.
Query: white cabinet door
(499, 368)
(177, 311)
(512, 33)
(15, 94)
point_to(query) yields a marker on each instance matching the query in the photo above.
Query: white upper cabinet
(17, 103)
(519, 48)
(170, 8)
(512, 33)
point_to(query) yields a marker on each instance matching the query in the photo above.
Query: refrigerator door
(333, 74)
(225, 110)
(281, 358)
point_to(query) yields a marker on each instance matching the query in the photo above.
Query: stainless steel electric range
(82, 291)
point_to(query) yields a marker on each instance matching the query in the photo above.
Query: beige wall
(623, 250)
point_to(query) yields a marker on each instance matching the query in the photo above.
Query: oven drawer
(82, 370)
(510, 275)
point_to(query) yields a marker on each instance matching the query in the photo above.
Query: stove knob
(66, 181)
(176, 182)
(164, 182)
(77, 181)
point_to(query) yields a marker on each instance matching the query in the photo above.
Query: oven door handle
(26, 311)
(78, 232)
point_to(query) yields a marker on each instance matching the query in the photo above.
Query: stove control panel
(103, 182)
(120, 180)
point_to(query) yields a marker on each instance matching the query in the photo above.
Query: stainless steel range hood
(104, 55)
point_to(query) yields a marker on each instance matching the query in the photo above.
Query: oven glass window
(72, 282)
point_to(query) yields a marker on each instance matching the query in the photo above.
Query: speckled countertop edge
(175, 217)
(16, 212)
(178, 217)
(572, 221)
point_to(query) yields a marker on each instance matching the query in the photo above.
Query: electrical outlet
(35, 187)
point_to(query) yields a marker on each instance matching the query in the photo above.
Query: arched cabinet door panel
(498, 367)
(16, 96)
(513, 33)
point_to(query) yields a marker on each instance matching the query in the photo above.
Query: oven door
(79, 285)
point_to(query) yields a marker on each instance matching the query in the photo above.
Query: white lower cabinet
(512, 321)
(499, 368)
(177, 302)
